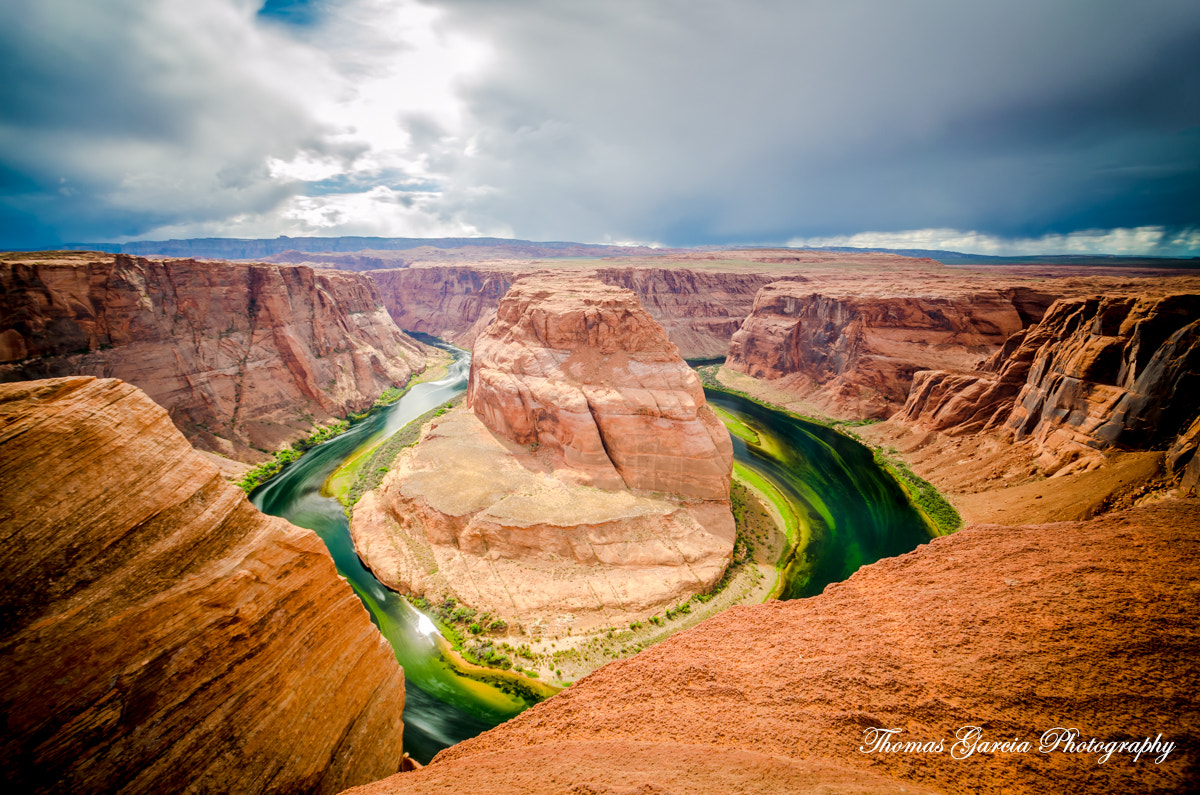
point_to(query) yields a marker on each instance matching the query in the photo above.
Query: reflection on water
(854, 511)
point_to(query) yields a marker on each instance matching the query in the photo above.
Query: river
(850, 511)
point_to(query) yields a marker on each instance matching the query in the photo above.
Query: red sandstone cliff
(158, 633)
(587, 484)
(584, 371)
(1017, 630)
(700, 310)
(245, 357)
(854, 351)
(1096, 373)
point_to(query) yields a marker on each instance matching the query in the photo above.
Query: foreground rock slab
(161, 635)
(1017, 630)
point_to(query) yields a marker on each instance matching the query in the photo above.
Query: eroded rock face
(582, 369)
(1095, 373)
(699, 310)
(245, 357)
(158, 634)
(471, 516)
(588, 478)
(858, 353)
(784, 691)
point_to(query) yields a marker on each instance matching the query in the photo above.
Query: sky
(1013, 127)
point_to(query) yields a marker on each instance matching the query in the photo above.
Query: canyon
(158, 633)
(1055, 408)
(245, 357)
(585, 481)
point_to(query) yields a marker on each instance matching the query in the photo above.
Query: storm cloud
(677, 122)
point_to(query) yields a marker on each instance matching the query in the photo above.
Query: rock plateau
(161, 635)
(586, 477)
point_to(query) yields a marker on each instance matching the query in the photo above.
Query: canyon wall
(854, 353)
(699, 309)
(779, 697)
(582, 370)
(159, 634)
(1096, 373)
(587, 481)
(245, 357)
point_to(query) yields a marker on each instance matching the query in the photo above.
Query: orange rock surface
(245, 357)
(588, 482)
(582, 369)
(859, 351)
(1015, 630)
(1095, 373)
(699, 309)
(161, 635)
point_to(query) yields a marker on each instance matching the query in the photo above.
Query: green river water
(827, 485)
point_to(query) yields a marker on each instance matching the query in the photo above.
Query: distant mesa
(586, 476)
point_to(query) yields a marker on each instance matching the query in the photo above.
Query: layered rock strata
(583, 370)
(588, 477)
(1095, 374)
(158, 633)
(855, 353)
(700, 310)
(1084, 625)
(245, 357)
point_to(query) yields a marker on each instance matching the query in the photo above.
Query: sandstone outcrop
(700, 310)
(856, 352)
(583, 370)
(1086, 625)
(1095, 374)
(588, 476)
(158, 633)
(245, 357)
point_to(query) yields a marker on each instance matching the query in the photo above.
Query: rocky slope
(245, 357)
(700, 310)
(158, 633)
(778, 697)
(855, 352)
(1096, 373)
(588, 482)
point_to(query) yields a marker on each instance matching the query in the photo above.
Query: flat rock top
(460, 467)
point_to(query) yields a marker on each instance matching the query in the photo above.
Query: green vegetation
(372, 469)
(928, 500)
(736, 426)
(452, 620)
(941, 515)
(265, 471)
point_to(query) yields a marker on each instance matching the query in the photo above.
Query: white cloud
(1154, 241)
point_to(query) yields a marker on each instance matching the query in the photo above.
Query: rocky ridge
(158, 633)
(587, 478)
(245, 357)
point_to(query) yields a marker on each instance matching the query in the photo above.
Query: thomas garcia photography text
(971, 740)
